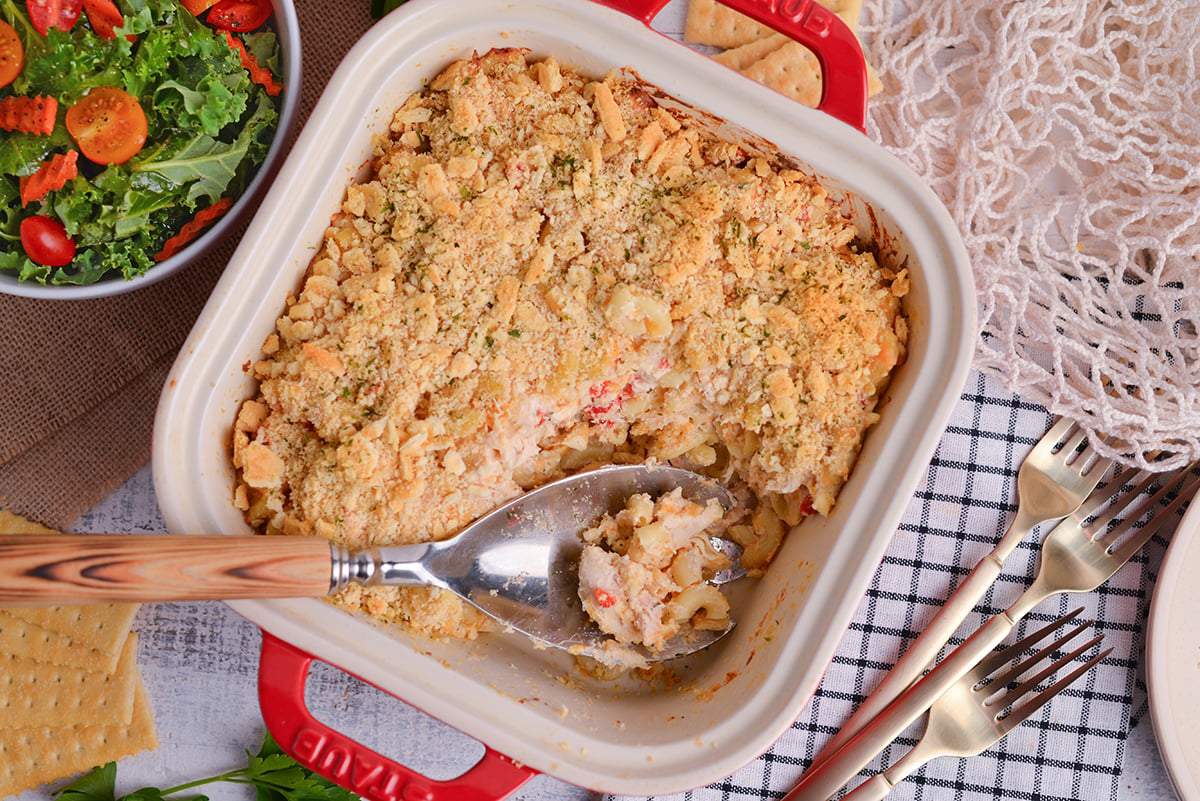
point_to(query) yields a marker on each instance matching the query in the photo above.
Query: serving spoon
(518, 563)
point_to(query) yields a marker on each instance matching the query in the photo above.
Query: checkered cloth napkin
(1071, 749)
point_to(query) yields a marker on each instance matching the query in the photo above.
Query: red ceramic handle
(282, 674)
(843, 68)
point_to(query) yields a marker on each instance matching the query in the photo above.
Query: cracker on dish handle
(712, 23)
(768, 57)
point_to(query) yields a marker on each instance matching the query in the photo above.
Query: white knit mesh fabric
(1064, 138)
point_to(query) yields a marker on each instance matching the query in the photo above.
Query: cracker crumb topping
(542, 272)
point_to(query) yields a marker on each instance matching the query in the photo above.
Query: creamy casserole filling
(643, 572)
(544, 271)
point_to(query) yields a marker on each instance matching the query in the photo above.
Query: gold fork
(983, 706)
(1078, 555)
(1054, 479)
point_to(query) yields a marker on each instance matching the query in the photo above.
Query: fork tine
(1010, 675)
(1131, 506)
(1128, 500)
(1020, 714)
(1126, 549)
(1066, 437)
(1104, 497)
(999, 659)
(1120, 501)
(1090, 462)
(1011, 696)
(1076, 435)
(1051, 439)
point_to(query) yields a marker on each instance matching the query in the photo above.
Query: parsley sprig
(273, 774)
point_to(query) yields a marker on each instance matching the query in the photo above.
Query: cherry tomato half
(239, 15)
(46, 242)
(12, 54)
(47, 14)
(108, 125)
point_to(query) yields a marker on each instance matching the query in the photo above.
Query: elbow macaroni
(643, 574)
(701, 605)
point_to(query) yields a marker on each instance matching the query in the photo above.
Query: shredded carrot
(198, 7)
(105, 18)
(193, 227)
(34, 115)
(51, 176)
(258, 73)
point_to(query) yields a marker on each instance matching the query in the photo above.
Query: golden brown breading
(543, 271)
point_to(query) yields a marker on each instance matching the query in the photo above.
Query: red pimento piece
(604, 599)
(607, 389)
(806, 506)
(51, 176)
(32, 115)
(192, 227)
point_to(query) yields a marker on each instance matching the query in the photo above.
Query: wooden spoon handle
(48, 570)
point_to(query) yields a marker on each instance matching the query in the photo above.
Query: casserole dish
(627, 736)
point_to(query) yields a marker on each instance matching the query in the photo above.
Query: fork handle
(928, 748)
(919, 654)
(873, 789)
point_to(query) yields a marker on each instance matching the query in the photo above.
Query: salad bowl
(146, 213)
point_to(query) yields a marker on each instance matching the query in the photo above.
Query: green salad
(126, 129)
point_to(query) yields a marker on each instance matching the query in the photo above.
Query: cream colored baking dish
(737, 698)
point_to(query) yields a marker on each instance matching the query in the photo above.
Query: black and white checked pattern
(1073, 748)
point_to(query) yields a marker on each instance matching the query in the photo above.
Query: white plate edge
(1166, 723)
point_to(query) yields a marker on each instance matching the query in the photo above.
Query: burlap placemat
(81, 379)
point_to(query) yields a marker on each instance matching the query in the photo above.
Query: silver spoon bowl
(519, 563)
